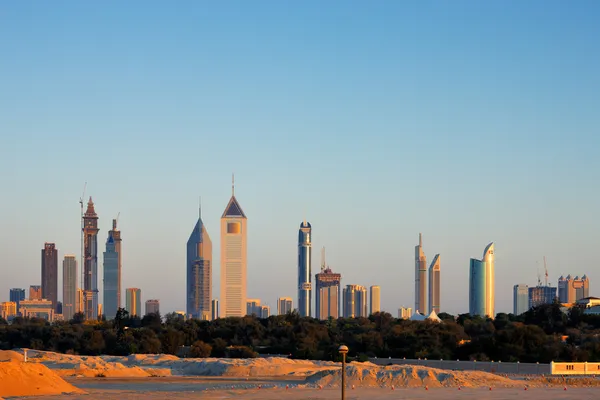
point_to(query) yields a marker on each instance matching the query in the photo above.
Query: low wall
(486, 366)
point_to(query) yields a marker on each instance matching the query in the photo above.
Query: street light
(343, 350)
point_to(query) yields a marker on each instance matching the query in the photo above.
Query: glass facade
(520, 299)
(304, 267)
(541, 295)
(111, 278)
(477, 282)
(199, 273)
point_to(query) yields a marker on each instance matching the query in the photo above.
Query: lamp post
(343, 350)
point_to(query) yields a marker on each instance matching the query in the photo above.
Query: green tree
(199, 349)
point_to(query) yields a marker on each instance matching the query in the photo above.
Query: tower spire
(199, 207)
(420, 240)
(232, 184)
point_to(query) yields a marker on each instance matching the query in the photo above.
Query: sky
(468, 121)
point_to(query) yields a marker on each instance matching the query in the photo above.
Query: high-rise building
(284, 305)
(133, 301)
(50, 273)
(253, 307)
(8, 309)
(328, 292)
(69, 294)
(404, 312)
(152, 306)
(304, 269)
(265, 312)
(38, 309)
(199, 272)
(375, 303)
(520, 299)
(477, 287)
(355, 301)
(16, 295)
(35, 292)
(233, 258)
(572, 289)
(420, 277)
(90, 268)
(540, 295)
(215, 309)
(112, 273)
(490, 280)
(434, 285)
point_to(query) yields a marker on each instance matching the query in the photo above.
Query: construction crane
(546, 270)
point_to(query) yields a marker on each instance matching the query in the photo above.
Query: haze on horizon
(469, 122)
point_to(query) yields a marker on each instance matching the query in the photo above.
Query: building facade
(90, 268)
(328, 292)
(304, 269)
(16, 295)
(520, 299)
(420, 277)
(375, 301)
(199, 272)
(253, 307)
(355, 301)
(572, 289)
(265, 312)
(434, 285)
(50, 273)
(284, 305)
(233, 259)
(540, 295)
(8, 310)
(112, 273)
(37, 309)
(69, 292)
(215, 309)
(404, 312)
(490, 280)
(35, 292)
(477, 283)
(152, 306)
(133, 301)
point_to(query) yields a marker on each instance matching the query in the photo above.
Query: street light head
(343, 349)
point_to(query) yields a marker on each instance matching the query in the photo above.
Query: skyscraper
(90, 269)
(434, 285)
(16, 295)
(233, 258)
(112, 275)
(477, 280)
(572, 289)
(328, 292)
(253, 307)
(355, 301)
(152, 306)
(50, 273)
(420, 277)
(133, 301)
(375, 303)
(265, 311)
(199, 272)
(540, 295)
(35, 292)
(215, 309)
(490, 280)
(520, 299)
(69, 286)
(304, 270)
(284, 305)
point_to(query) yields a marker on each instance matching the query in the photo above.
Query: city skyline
(327, 113)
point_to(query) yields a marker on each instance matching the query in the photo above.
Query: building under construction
(328, 291)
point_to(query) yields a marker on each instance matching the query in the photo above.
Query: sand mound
(370, 375)
(8, 355)
(25, 379)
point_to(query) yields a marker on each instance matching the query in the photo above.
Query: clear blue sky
(468, 121)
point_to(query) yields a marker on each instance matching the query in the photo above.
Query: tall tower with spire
(434, 285)
(90, 270)
(199, 272)
(304, 269)
(233, 258)
(420, 278)
(112, 273)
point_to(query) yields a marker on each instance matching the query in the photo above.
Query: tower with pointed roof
(112, 273)
(233, 258)
(90, 269)
(199, 272)
(420, 278)
(434, 285)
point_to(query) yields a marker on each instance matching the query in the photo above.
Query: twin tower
(421, 281)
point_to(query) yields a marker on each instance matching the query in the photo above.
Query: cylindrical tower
(304, 270)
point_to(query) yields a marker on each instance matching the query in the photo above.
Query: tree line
(542, 334)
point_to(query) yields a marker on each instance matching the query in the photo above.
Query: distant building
(284, 305)
(328, 292)
(520, 299)
(215, 309)
(58, 309)
(80, 302)
(304, 269)
(253, 307)
(152, 306)
(572, 289)
(37, 309)
(540, 295)
(265, 312)
(434, 285)
(50, 273)
(8, 310)
(199, 272)
(90, 267)
(35, 292)
(99, 311)
(420, 277)
(355, 301)
(404, 312)
(233, 258)
(16, 295)
(375, 303)
(133, 301)
(482, 285)
(69, 287)
(112, 274)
